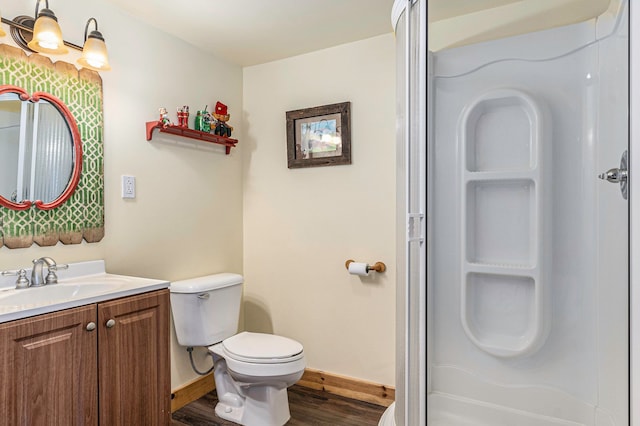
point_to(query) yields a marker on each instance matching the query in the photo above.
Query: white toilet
(252, 370)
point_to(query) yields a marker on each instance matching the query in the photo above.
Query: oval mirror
(40, 150)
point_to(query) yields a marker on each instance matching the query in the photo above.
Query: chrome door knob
(614, 175)
(91, 326)
(110, 323)
(619, 175)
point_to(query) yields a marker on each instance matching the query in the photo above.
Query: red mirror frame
(77, 150)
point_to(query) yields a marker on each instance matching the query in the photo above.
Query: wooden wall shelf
(185, 132)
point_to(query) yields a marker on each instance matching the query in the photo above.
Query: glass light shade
(94, 55)
(47, 37)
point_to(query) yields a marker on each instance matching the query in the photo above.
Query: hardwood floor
(307, 406)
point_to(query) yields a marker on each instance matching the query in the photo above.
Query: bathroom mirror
(77, 214)
(40, 150)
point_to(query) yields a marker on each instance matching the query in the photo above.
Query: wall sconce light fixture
(42, 34)
(94, 51)
(47, 35)
(2, 33)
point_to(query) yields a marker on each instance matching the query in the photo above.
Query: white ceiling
(250, 32)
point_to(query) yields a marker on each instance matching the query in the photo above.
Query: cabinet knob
(110, 323)
(91, 326)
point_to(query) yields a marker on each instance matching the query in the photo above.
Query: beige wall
(187, 218)
(301, 225)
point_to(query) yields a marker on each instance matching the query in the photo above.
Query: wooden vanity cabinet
(134, 373)
(56, 369)
(48, 369)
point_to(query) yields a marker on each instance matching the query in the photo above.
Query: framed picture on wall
(319, 136)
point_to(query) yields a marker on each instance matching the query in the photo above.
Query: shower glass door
(528, 275)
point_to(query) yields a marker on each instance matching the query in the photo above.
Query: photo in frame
(319, 136)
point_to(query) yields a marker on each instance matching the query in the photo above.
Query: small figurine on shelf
(221, 118)
(207, 119)
(164, 117)
(183, 116)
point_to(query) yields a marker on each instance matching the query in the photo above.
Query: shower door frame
(634, 209)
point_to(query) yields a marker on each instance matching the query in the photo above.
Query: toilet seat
(260, 348)
(261, 355)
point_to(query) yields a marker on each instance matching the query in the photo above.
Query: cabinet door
(48, 369)
(134, 370)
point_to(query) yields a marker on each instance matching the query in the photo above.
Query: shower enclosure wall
(527, 295)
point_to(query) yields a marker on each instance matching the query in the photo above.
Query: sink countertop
(110, 286)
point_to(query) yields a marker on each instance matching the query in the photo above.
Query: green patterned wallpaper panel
(82, 215)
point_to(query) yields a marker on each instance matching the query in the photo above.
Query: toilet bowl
(252, 371)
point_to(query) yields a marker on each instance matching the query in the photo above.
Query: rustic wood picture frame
(319, 136)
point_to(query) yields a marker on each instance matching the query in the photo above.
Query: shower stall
(516, 297)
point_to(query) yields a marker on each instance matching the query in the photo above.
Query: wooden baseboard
(349, 387)
(191, 391)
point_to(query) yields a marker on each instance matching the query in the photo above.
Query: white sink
(81, 284)
(53, 293)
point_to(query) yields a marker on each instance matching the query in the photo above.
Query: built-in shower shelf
(501, 175)
(502, 291)
(500, 268)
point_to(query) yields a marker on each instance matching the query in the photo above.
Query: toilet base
(228, 412)
(252, 401)
(262, 406)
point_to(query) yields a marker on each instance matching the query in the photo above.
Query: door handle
(614, 175)
(619, 175)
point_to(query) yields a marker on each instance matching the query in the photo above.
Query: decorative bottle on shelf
(199, 122)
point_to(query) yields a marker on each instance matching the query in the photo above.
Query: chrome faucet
(37, 277)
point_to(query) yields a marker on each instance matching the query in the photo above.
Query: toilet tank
(206, 309)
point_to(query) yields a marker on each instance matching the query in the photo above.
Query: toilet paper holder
(378, 266)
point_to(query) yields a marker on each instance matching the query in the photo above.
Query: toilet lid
(261, 348)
